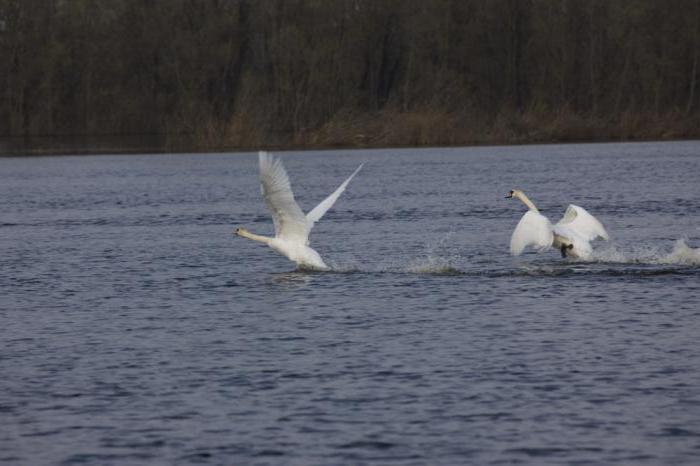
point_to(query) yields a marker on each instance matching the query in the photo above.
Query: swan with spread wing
(292, 227)
(572, 235)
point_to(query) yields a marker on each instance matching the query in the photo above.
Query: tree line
(253, 73)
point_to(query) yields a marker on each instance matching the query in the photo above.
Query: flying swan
(292, 227)
(572, 234)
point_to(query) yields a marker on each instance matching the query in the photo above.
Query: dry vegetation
(223, 74)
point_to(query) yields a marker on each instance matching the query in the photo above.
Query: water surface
(136, 329)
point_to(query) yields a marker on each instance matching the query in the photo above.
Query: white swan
(572, 234)
(292, 227)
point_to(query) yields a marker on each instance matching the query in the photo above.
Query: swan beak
(509, 195)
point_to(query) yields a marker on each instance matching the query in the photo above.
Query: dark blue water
(136, 329)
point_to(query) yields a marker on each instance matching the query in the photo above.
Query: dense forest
(216, 74)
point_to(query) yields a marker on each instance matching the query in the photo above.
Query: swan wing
(578, 220)
(290, 222)
(533, 229)
(319, 211)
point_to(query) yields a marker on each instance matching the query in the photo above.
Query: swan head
(512, 193)
(239, 231)
(518, 194)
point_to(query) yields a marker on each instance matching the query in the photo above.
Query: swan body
(572, 235)
(292, 227)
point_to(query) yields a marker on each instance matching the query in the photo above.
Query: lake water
(136, 329)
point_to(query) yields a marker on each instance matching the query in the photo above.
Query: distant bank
(167, 75)
(384, 129)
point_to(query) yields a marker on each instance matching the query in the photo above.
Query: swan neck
(526, 200)
(254, 237)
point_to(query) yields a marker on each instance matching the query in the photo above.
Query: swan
(292, 227)
(572, 234)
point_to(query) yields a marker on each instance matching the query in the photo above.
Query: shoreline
(79, 149)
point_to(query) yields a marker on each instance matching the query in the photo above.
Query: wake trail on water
(681, 254)
(436, 261)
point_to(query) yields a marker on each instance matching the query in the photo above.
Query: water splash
(429, 265)
(437, 258)
(434, 265)
(682, 254)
